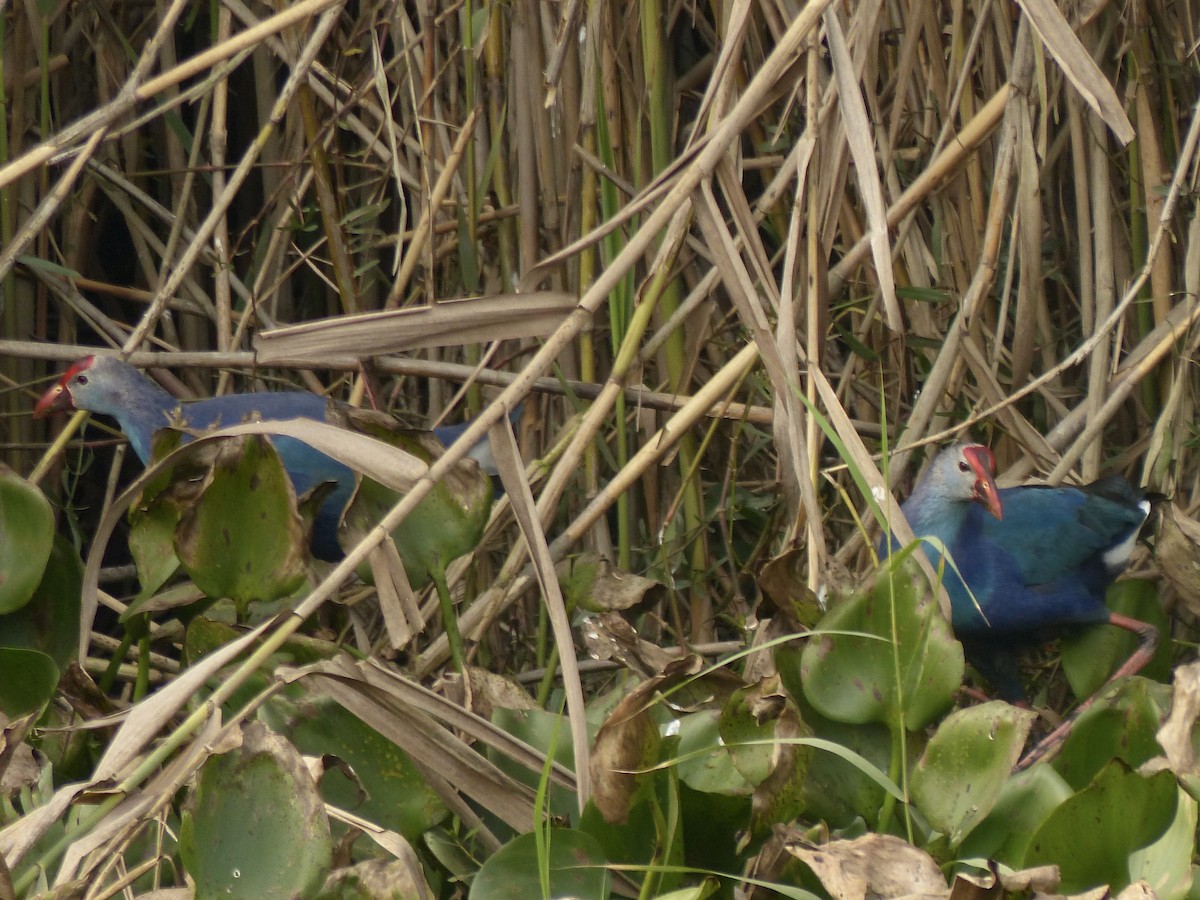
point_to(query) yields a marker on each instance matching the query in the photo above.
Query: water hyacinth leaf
(849, 669)
(780, 797)
(837, 789)
(747, 726)
(1122, 724)
(254, 824)
(704, 763)
(154, 515)
(1024, 803)
(1119, 813)
(545, 731)
(50, 622)
(760, 727)
(28, 679)
(1092, 655)
(783, 580)
(639, 840)
(966, 765)
(387, 788)
(26, 536)
(699, 892)
(190, 468)
(575, 861)
(694, 685)
(152, 543)
(709, 821)
(184, 599)
(1166, 864)
(205, 635)
(243, 538)
(448, 521)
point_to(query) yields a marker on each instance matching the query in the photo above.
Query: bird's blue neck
(140, 408)
(942, 519)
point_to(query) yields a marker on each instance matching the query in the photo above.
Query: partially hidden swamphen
(107, 385)
(1035, 558)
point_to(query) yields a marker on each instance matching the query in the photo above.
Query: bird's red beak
(55, 399)
(59, 397)
(986, 492)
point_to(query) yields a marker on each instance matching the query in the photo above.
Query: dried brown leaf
(447, 323)
(626, 743)
(1078, 65)
(1177, 551)
(873, 866)
(1175, 735)
(609, 636)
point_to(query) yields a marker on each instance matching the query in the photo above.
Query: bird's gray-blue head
(962, 473)
(99, 384)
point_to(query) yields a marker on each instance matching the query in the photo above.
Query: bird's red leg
(974, 694)
(1147, 644)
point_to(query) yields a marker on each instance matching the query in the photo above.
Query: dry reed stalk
(919, 211)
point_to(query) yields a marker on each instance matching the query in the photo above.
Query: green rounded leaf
(747, 725)
(255, 825)
(849, 669)
(636, 842)
(152, 542)
(761, 730)
(837, 789)
(28, 680)
(710, 822)
(1166, 865)
(447, 523)
(573, 860)
(243, 537)
(26, 536)
(50, 623)
(1122, 724)
(966, 765)
(387, 787)
(1091, 836)
(1025, 801)
(704, 764)
(549, 733)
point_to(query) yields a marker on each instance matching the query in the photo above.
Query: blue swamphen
(107, 385)
(1035, 558)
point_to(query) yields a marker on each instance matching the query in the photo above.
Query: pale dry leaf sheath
(447, 323)
(1078, 65)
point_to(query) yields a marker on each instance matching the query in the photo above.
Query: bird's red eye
(964, 466)
(81, 379)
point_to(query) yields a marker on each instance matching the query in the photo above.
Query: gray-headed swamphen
(112, 387)
(1035, 558)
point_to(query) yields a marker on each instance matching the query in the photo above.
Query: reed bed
(906, 221)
